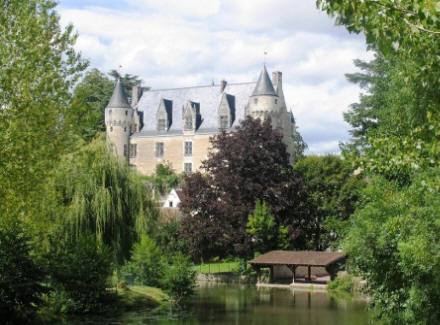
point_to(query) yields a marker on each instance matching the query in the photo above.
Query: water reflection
(243, 304)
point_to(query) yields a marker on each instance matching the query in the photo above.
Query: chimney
(277, 79)
(136, 93)
(223, 85)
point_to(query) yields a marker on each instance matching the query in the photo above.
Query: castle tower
(264, 101)
(119, 121)
(267, 100)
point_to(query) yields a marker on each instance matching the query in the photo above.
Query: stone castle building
(175, 125)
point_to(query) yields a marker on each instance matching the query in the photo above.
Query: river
(247, 304)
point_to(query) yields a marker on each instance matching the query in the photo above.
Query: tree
(334, 191)
(146, 262)
(391, 237)
(127, 81)
(394, 245)
(266, 234)
(164, 179)
(179, 279)
(21, 276)
(90, 97)
(99, 194)
(79, 274)
(39, 66)
(218, 203)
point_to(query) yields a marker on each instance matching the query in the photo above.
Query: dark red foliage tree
(248, 164)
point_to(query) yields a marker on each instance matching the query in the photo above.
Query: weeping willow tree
(100, 195)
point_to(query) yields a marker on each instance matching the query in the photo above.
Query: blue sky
(174, 43)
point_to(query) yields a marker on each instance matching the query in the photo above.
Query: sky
(181, 43)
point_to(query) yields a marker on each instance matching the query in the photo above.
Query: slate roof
(264, 85)
(312, 258)
(118, 99)
(208, 97)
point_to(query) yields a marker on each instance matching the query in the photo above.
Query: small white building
(173, 199)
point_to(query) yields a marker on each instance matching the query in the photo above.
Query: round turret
(119, 121)
(264, 101)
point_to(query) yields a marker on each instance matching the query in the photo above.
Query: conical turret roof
(264, 85)
(118, 99)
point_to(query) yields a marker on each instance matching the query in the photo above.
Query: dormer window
(224, 122)
(164, 117)
(188, 123)
(161, 125)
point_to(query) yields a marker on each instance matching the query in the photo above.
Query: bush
(179, 279)
(80, 273)
(342, 283)
(20, 276)
(146, 262)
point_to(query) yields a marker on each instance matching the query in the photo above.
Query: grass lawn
(142, 296)
(210, 268)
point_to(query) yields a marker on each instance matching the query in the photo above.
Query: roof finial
(265, 54)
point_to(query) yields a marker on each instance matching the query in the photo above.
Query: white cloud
(172, 43)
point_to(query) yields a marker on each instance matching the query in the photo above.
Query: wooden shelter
(299, 266)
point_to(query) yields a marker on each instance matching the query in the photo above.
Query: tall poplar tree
(38, 67)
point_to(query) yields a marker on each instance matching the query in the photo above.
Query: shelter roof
(312, 258)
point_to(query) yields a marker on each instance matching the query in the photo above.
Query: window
(188, 123)
(111, 129)
(133, 150)
(171, 204)
(126, 113)
(187, 168)
(110, 111)
(159, 149)
(125, 129)
(125, 150)
(276, 101)
(224, 122)
(255, 100)
(188, 148)
(161, 124)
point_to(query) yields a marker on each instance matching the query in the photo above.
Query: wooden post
(293, 269)
(271, 274)
(309, 273)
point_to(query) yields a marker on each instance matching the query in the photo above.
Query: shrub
(20, 275)
(145, 264)
(342, 283)
(179, 279)
(80, 273)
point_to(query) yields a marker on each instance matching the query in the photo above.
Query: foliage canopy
(217, 204)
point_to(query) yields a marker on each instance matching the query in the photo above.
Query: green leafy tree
(21, 277)
(334, 191)
(90, 97)
(164, 179)
(146, 262)
(127, 81)
(98, 194)
(179, 280)
(266, 233)
(79, 274)
(397, 154)
(38, 67)
(394, 245)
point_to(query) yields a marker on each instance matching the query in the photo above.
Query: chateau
(175, 125)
